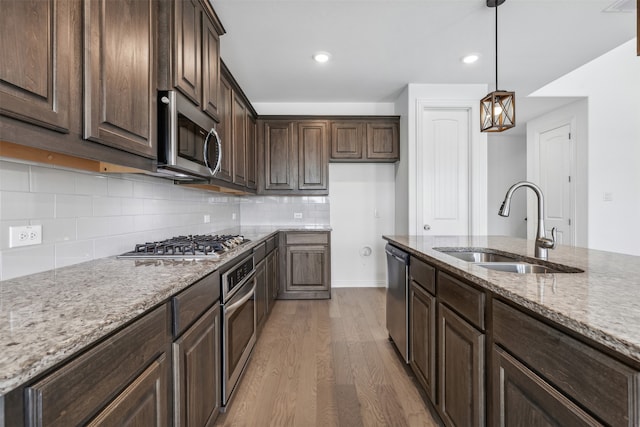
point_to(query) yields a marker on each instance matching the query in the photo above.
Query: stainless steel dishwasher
(398, 299)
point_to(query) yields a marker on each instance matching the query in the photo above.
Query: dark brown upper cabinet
(225, 129)
(252, 143)
(196, 53)
(35, 60)
(239, 141)
(294, 157)
(365, 139)
(120, 75)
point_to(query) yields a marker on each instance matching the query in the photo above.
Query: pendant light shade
(498, 108)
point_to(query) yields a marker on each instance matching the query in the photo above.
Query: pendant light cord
(496, 45)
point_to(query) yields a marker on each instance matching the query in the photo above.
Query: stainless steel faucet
(542, 242)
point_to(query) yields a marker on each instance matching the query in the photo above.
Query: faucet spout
(542, 241)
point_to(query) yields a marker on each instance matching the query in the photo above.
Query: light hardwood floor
(327, 363)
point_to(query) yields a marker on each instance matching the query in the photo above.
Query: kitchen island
(531, 345)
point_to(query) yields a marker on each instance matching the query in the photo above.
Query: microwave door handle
(219, 159)
(236, 305)
(205, 153)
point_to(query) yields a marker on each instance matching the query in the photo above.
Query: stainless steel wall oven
(238, 323)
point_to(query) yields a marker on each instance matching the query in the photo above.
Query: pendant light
(498, 108)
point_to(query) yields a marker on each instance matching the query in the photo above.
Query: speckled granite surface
(46, 317)
(603, 303)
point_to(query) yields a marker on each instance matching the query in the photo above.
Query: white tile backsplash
(87, 216)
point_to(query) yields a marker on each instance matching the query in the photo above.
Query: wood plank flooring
(327, 363)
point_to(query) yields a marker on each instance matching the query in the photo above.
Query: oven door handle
(236, 305)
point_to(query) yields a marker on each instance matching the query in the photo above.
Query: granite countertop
(602, 304)
(47, 317)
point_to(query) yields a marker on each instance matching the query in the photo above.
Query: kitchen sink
(506, 262)
(518, 267)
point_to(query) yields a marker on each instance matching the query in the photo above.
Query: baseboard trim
(358, 284)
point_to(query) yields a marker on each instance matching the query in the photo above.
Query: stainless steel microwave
(189, 148)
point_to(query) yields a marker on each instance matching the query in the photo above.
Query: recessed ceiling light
(321, 57)
(470, 59)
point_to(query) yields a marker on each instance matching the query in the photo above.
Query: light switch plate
(26, 235)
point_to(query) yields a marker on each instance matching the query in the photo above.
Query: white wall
(575, 114)
(612, 85)
(362, 210)
(402, 167)
(441, 96)
(86, 216)
(507, 164)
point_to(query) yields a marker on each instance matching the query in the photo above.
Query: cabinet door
(35, 57)
(239, 115)
(307, 269)
(262, 294)
(461, 375)
(280, 156)
(520, 397)
(272, 276)
(210, 67)
(225, 129)
(252, 134)
(423, 338)
(197, 370)
(313, 157)
(382, 140)
(347, 139)
(120, 75)
(142, 403)
(188, 49)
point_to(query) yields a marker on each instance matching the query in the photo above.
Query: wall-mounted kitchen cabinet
(196, 53)
(54, 98)
(371, 139)
(293, 158)
(120, 75)
(306, 265)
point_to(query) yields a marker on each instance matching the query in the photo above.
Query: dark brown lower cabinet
(85, 387)
(262, 294)
(461, 374)
(197, 370)
(422, 353)
(143, 403)
(272, 276)
(522, 398)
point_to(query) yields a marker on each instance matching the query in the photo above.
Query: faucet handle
(549, 243)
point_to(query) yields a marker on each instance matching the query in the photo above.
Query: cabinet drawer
(189, 304)
(272, 243)
(73, 393)
(464, 299)
(307, 238)
(605, 387)
(259, 252)
(423, 274)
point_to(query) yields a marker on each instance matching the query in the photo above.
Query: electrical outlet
(207, 219)
(26, 235)
(297, 215)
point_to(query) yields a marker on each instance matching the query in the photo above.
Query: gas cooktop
(187, 247)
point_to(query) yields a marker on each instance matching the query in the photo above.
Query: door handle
(426, 227)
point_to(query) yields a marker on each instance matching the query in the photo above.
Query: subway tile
(116, 245)
(131, 206)
(93, 185)
(18, 205)
(57, 229)
(73, 253)
(73, 206)
(104, 226)
(142, 190)
(14, 176)
(22, 261)
(47, 180)
(106, 206)
(118, 187)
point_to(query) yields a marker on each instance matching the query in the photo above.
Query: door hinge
(569, 178)
(569, 135)
(569, 221)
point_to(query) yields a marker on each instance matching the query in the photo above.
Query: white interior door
(443, 162)
(556, 166)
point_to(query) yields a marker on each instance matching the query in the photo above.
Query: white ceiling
(379, 46)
